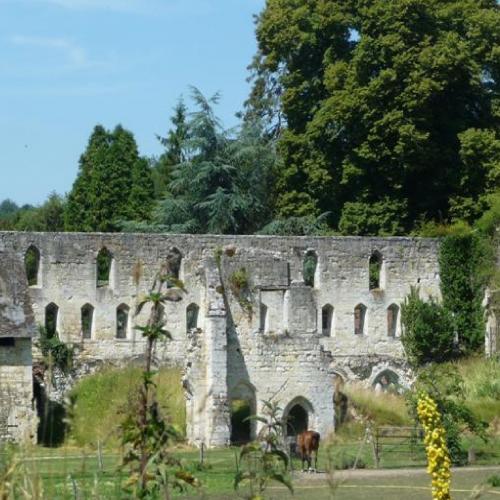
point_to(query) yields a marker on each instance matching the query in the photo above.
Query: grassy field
(99, 402)
(70, 473)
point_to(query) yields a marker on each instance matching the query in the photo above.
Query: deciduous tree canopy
(392, 108)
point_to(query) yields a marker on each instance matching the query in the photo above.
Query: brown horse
(307, 444)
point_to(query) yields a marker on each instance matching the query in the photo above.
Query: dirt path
(379, 473)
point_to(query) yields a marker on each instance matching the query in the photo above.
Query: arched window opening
(359, 319)
(309, 267)
(174, 261)
(104, 262)
(241, 428)
(32, 265)
(51, 314)
(327, 320)
(122, 313)
(263, 318)
(375, 269)
(392, 320)
(87, 317)
(387, 381)
(297, 420)
(192, 312)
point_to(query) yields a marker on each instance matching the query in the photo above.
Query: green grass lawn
(68, 473)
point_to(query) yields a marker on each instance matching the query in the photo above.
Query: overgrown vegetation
(55, 352)
(444, 385)
(145, 433)
(99, 402)
(465, 270)
(428, 330)
(378, 408)
(266, 459)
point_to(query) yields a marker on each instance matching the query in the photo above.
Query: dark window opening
(7, 342)
(51, 313)
(297, 421)
(241, 428)
(375, 268)
(309, 269)
(192, 312)
(263, 317)
(32, 265)
(387, 381)
(104, 261)
(174, 261)
(87, 318)
(359, 319)
(122, 322)
(392, 320)
(327, 320)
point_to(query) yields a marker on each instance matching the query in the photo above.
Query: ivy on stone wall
(464, 277)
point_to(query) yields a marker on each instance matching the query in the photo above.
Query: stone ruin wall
(235, 351)
(17, 417)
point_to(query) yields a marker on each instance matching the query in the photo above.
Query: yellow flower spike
(438, 460)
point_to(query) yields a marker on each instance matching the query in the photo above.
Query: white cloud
(76, 57)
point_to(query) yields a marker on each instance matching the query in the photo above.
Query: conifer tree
(104, 192)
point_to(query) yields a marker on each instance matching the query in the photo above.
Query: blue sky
(66, 65)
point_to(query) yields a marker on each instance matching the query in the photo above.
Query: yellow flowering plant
(438, 457)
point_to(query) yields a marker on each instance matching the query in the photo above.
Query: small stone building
(17, 327)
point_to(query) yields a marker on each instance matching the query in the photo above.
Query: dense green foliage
(174, 153)
(392, 108)
(462, 287)
(428, 330)
(222, 183)
(56, 353)
(49, 216)
(113, 183)
(446, 387)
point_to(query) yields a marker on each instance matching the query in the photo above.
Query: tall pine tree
(113, 184)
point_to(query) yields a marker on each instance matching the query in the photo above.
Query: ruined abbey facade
(262, 317)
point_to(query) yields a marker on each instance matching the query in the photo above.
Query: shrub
(54, 351)
(444, 385)
(494, 480)
(428, 330)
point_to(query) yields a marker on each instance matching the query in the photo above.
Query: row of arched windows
(327, 320)
(104, 266)
(121, 324)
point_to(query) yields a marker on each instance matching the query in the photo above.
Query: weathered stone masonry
(17, 326)
(272, 336)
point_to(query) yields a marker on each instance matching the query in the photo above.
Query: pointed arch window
(87, 320)
(263, 318)
(327, 320)
(192, 312)
(32, 265)
(392, 320)
(359, 319)
(375, 270)
(51, 319)
(309, 267)
(174, 262)
(122, 319)
(104, 263)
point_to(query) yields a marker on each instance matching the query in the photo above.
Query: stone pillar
(217, 415)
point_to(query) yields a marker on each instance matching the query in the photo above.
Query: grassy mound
(100, 401)
(380, 408)
(482, 386)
